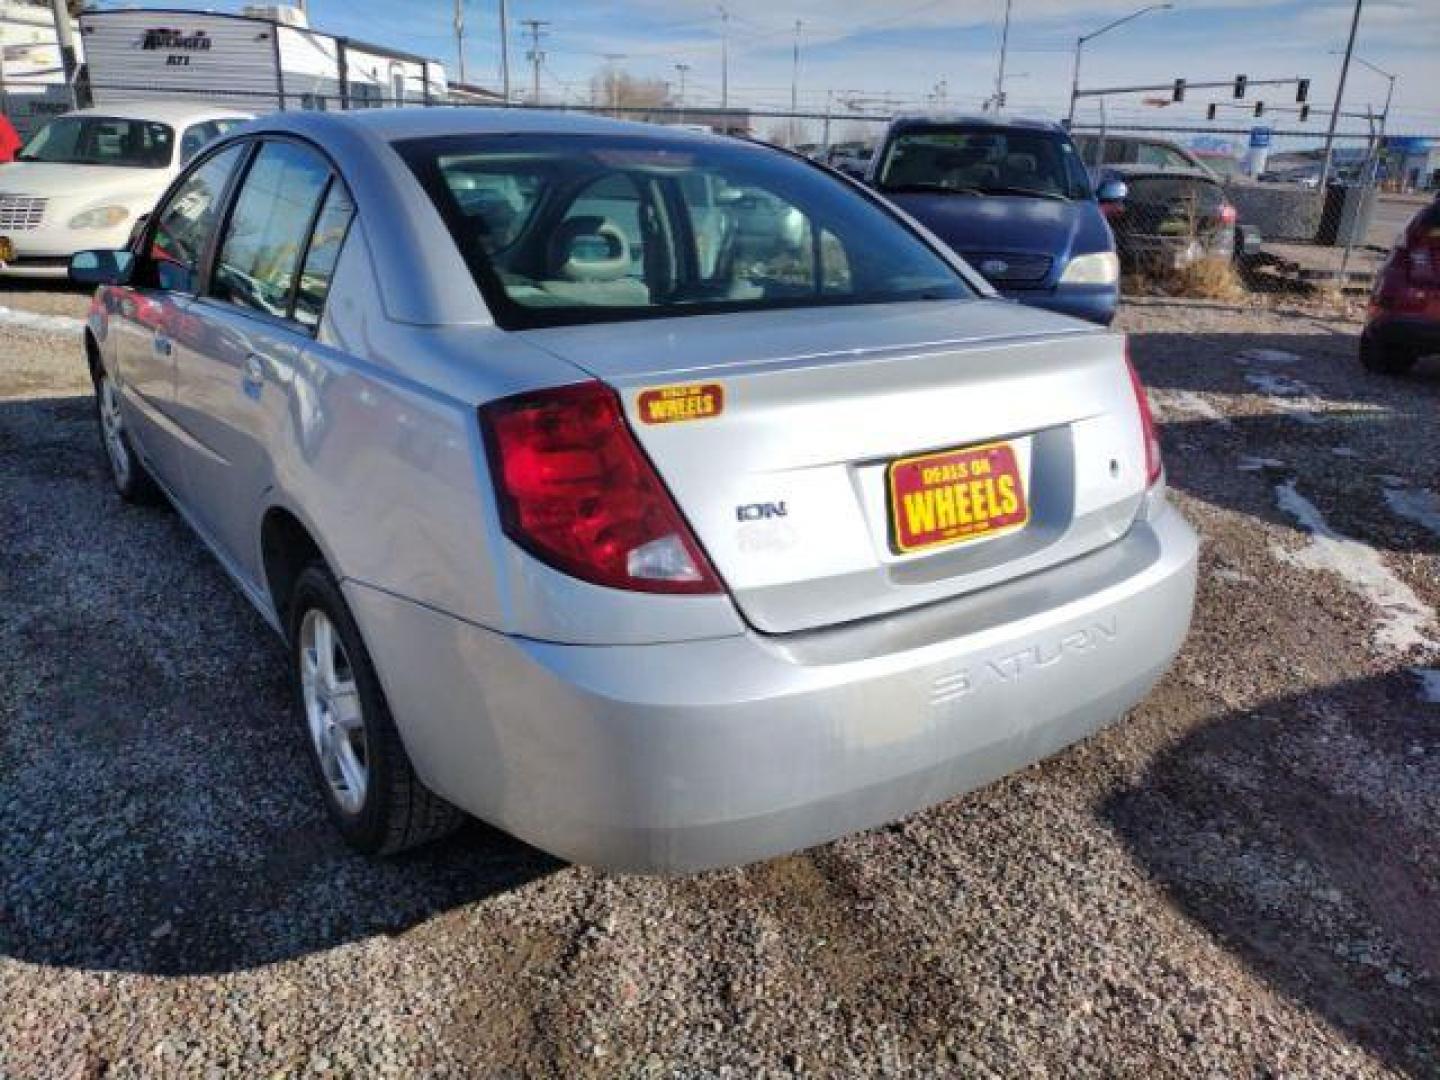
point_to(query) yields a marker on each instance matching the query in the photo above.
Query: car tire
(132, 480)
(370, 788)
(1385, 359)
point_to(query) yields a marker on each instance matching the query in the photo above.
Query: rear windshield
(983, 160)
(563, 229)
(102, 140)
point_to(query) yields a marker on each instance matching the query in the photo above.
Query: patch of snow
(1429, 684)
(1343, 451)
(1191, 402)
(30, 320)
(1415, 504)
(1404, 620)
(1290, 396)
(1267, 356)
(1255, 464)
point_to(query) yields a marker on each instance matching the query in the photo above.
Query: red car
(1404, 322)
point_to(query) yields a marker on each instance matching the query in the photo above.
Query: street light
(1080, 44)
(1385, 112)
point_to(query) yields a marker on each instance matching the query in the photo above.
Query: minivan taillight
(1153, 465)
(576, 490)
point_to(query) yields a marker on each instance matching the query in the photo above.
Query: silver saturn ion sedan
(663, 499)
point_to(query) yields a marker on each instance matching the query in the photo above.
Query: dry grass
(1205, 279)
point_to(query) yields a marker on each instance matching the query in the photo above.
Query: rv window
(183, 225)
(330, 229)
(261, 249)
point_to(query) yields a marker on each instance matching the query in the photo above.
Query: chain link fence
(1273, 212)
(1202, 212)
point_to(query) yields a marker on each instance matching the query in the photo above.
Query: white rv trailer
(262, 60)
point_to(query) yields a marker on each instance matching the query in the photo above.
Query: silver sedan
(663, 499)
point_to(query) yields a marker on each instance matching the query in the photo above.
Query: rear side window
(266, 236)
(184, 224)
(330, 229)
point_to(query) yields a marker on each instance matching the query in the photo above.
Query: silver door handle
(254, 371)
(162, 344)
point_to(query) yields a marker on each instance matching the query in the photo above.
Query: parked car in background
(1012, 197)
(1098, 150)
(86, 177)
(1404, 318)
(659, 551)
(1173, 217)
(852, 159)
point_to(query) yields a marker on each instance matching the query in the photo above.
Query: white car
(84, 179)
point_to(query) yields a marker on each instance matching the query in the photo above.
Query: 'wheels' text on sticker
(955, 495)
(671, 404)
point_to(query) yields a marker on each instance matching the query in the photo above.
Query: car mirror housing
(1112, 191)
(101, 267)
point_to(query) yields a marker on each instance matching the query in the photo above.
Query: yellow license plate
(7, 249)
(953, 496)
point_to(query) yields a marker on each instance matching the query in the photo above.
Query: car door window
(184, 223)
(263, 241)
(330, 229)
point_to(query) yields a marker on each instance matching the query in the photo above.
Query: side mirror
(1112, 191)
(101, 267)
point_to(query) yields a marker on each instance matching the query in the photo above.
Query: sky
(874, 54)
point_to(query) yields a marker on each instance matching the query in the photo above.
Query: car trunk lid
(778, 432)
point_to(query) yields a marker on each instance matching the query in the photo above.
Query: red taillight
(1228, 214)
(577, 492)
(1153, 465)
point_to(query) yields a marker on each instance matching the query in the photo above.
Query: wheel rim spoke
(333, 712)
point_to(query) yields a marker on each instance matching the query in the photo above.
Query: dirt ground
(1241, 878)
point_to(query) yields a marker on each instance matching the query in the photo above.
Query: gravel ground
(1241, 879)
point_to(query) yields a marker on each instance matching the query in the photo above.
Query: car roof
(168, 112)
(999, 123)
(1129, 171)
(391, 125)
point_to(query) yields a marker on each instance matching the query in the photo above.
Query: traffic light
(1240, 81)
(1210, 112)
(1302, 91)
(1178, 94)
(1259, 108)
(1304, 113)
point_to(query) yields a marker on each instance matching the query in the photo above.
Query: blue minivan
(1014, 199)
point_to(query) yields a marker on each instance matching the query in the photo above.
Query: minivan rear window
(569, 228)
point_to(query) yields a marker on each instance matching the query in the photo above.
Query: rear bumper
(1093, 303)
(678, 757)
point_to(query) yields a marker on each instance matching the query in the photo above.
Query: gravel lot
(1242, 878)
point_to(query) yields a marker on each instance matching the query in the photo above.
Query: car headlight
(1097, 268)
(100, 217)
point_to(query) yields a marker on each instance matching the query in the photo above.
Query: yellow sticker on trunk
(673, 404)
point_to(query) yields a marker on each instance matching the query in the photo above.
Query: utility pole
(724, 58)
(682, 70)
(1339, 96)
(795, 83)
(460, 38)
(1083, 38)
(1004, 47)
(535, 56)
(65, 36)
(505, 51)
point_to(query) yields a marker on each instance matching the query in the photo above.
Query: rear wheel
(1385, 359)
(370, 787)
(131, 478)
